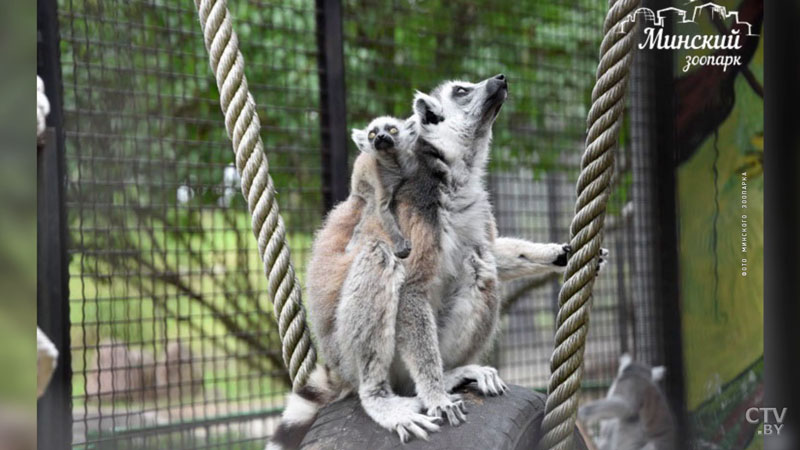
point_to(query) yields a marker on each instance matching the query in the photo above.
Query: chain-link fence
(173, 342)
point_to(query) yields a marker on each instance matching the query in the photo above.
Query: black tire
(507, 422)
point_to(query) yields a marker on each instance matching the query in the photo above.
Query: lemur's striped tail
(302, 408)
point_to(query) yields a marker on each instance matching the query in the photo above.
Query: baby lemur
(386, 158)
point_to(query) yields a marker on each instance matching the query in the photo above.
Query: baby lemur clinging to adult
(386, 158)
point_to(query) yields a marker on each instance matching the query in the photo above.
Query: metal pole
(656, 280)
(333, 117)
(54, 408)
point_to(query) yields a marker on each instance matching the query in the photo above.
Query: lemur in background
(386, 159)
(404, 333)
(635, 414)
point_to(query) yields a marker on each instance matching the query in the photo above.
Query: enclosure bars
(597, 166)
(243, 127)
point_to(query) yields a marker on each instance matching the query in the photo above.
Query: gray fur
(446, 316)
(518, 258)
(367, 340)
(635, 414)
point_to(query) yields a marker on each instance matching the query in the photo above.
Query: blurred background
(154, 290)
(17, 226)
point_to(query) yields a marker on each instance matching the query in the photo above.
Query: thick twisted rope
(243, 126)
(597, 166)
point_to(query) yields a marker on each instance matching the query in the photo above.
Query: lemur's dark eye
(460, 90)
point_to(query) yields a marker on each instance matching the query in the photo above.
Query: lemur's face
(384, 135)
(462, 110)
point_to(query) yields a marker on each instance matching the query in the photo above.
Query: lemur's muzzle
(496, 95)
(383, 142)
(497, 88)
(496, 83)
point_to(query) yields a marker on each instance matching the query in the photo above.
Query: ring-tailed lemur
(386, 159)
(388, 327)
(635, 414)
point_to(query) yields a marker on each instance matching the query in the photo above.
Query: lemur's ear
(428, 109)
(658, 373)
(411, 124)
(361, 140)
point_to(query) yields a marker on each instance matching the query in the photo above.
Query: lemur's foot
(446, 405)
(486, 378)
(402, 249)
(489, 381)
(402, 415)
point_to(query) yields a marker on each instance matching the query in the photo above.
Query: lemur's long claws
(453, 412)
(401, 431)
(418, 431)
(418, 425)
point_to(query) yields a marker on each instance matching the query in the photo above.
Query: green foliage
(547, 49)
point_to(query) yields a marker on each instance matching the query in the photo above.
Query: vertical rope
(597, 166)
(243, 126)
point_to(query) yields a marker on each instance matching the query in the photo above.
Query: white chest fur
(465, 217)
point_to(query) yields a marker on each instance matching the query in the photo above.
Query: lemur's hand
(562, 254)
(403, 249)
(602, 260)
